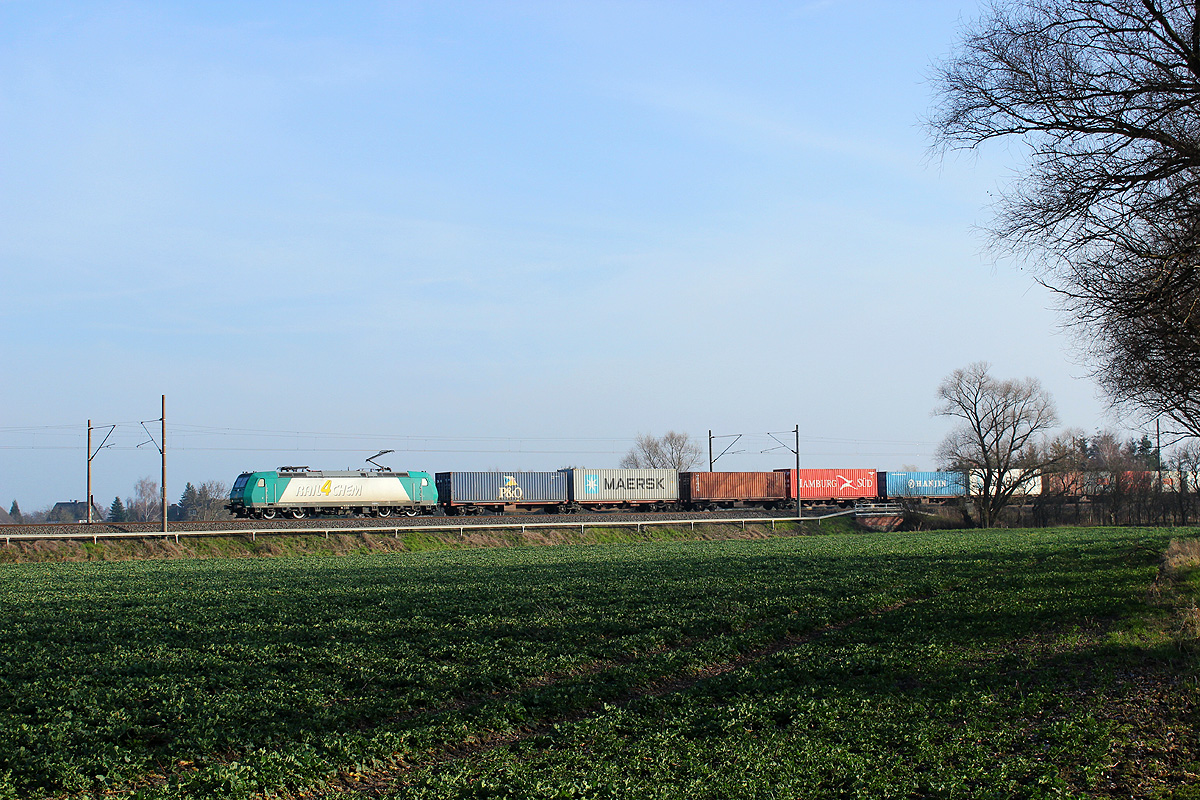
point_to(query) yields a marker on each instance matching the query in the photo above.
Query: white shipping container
(624, 485)
(1030, 482)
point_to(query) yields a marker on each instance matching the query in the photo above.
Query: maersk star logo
(591, 484)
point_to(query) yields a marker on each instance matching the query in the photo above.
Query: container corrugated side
(624, 485)
(733, 485)
(509, 488)
(925, 484)
(1027, 483)
(833, 484)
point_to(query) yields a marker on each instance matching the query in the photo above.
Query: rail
(395, 530)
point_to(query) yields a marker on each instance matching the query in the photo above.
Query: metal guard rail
(395, 529)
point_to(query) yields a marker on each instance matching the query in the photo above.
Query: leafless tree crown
(1104, 94)
(670, 451)
(999, 438)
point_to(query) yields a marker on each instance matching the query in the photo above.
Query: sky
(490, 235)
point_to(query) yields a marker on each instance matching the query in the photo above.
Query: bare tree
(1104, 93)
(211, 497)
(999, 441)
(1183, 473)
(146, 503)
(670, 451)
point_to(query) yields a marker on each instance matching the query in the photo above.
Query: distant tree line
(203, 502)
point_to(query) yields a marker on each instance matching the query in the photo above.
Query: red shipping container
(833, 484)
(750, 486)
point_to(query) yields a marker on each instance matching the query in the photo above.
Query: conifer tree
(15, 512)
(188, 502)
(116, 512)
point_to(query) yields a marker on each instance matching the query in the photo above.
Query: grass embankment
(970, 664)
(316, 544)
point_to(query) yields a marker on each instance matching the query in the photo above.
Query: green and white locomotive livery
(299, 492)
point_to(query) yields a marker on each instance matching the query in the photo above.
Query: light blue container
(925, 484)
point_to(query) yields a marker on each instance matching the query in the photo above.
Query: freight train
(298, 492)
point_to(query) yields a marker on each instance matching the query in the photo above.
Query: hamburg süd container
(833, 484)
(610, 486)
(502, 488)
(925, 484)
(754, 487)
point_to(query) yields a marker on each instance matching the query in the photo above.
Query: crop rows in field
(939, 665)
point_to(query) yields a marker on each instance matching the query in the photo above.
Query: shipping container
(726, 488)
(1028, 483)
(923, 484)
(833, 484)
(624, 486)
(1070, 484)
(1100, 483)
(495, 490)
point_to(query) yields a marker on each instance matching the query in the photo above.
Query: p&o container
(502, 488)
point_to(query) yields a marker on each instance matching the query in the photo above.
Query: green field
(979, 664)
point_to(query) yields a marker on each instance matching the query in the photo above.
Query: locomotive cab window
(262, 482)
(424, 481)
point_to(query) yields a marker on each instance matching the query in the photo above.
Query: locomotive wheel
(384, 512)
(298, 513)
(268, 513)
(411, 511)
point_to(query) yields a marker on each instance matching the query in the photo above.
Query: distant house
(5, 519)
(74, 511)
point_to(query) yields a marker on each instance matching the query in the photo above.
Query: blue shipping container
(501, 488)
(925, 484)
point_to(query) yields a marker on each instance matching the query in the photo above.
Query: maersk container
(833, 484)
(925, 484)
(753, 487)
(610, 486)
(502, 488)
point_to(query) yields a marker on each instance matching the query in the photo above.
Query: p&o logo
(510, 489)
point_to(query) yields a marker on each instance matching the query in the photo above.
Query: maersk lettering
(634, 484)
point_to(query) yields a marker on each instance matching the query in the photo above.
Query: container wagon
(649, 489)
(925, 486)
(703, 491)
(496, 492)
(833, 486)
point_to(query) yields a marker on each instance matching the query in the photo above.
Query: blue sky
(489, 235)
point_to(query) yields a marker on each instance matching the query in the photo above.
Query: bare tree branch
(1104, 94)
